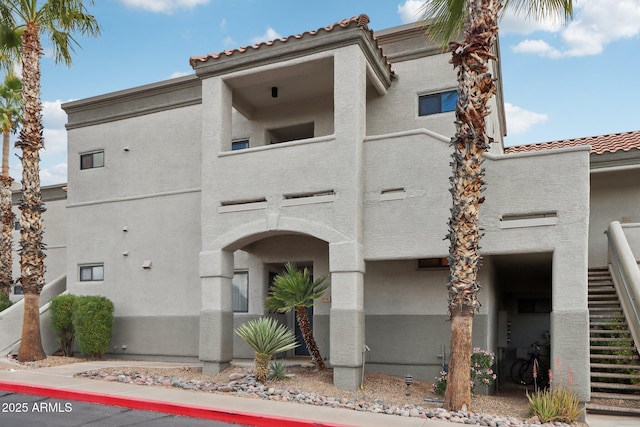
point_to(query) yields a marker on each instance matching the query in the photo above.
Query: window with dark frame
(92, 273)
(241, 144)
(240, 294)
(92, 160)
(437, 103)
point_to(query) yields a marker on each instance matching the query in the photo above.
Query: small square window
(92, 273)
(92, 160)
(437, 103)
(240, 145)
(17, 290)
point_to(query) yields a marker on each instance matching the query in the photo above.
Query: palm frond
(294, 288)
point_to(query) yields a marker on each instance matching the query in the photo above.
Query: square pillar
(216, 314)
(346, 317)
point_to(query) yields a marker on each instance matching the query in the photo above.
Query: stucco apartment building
(329, 149)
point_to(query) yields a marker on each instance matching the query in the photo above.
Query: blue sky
(559, 82)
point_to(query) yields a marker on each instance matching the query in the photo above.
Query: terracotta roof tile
(360, 21)
(624, 141)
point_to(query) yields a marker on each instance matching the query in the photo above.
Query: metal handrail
(630, 289)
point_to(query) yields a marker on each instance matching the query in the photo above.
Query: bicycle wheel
(516, 369)
(526, 372)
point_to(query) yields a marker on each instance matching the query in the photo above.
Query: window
(240, 145)
(240, 295)
(92, 273)
(17, 290)
(92, 160)
(437, 103)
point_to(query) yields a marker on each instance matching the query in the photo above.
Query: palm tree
(478, 19)
(10, 116)
(296, 290)
(57, 20)
(266, 337)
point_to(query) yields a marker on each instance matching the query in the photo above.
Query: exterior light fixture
(274, 92)
(408, 380)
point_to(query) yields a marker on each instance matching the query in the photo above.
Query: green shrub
(5, 302)
(482, 373)
(92, 320)
(61, 313)
(278, 370)
(556, 404)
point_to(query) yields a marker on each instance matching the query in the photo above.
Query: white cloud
(539, 47)
(520, 24)
(596, 23)
(56, 174)
(53, 119)
(228, 41)
(520, 121)
(163, 6)
(410, 10)
(269, 35)
(223, 24)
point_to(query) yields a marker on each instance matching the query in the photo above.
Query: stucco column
(216, 265)
(216, 313)
(570, 321)
(346, 260)
(346, 317)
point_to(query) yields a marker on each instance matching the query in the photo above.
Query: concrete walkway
(59, 382)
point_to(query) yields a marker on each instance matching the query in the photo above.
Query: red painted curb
(229, 416)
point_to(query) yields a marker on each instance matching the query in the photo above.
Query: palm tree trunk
(475, 88)
(6, 258)
(32, 248)
(307, 335)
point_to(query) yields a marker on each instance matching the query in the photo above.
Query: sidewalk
(59, 382)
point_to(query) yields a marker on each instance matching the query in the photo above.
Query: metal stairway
(615, 363)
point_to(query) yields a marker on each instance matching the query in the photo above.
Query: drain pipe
(365, 348)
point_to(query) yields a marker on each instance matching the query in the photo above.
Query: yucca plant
(278, 370)
(556, 404)
(266, 337)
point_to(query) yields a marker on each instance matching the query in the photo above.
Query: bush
(481, 372)
(278, 370)
(93, 321)
(557, 404)
(61, 314)
(5, 302)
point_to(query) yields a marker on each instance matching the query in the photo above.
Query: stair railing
(626, 278)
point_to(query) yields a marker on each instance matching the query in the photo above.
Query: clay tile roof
(624, 141)
(360, 21)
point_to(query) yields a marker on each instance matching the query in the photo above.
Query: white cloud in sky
(228, 41)
(410, 10)
(55, 135)
(520, 121)
(223, 24)
(163, 6)
(595, 24)
(269, 35)
(177, 74)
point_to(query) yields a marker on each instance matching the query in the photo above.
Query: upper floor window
(92, 273)
(240, 144)
(91, 160)
(437, 103)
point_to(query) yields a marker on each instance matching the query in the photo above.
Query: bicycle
(530, 371)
